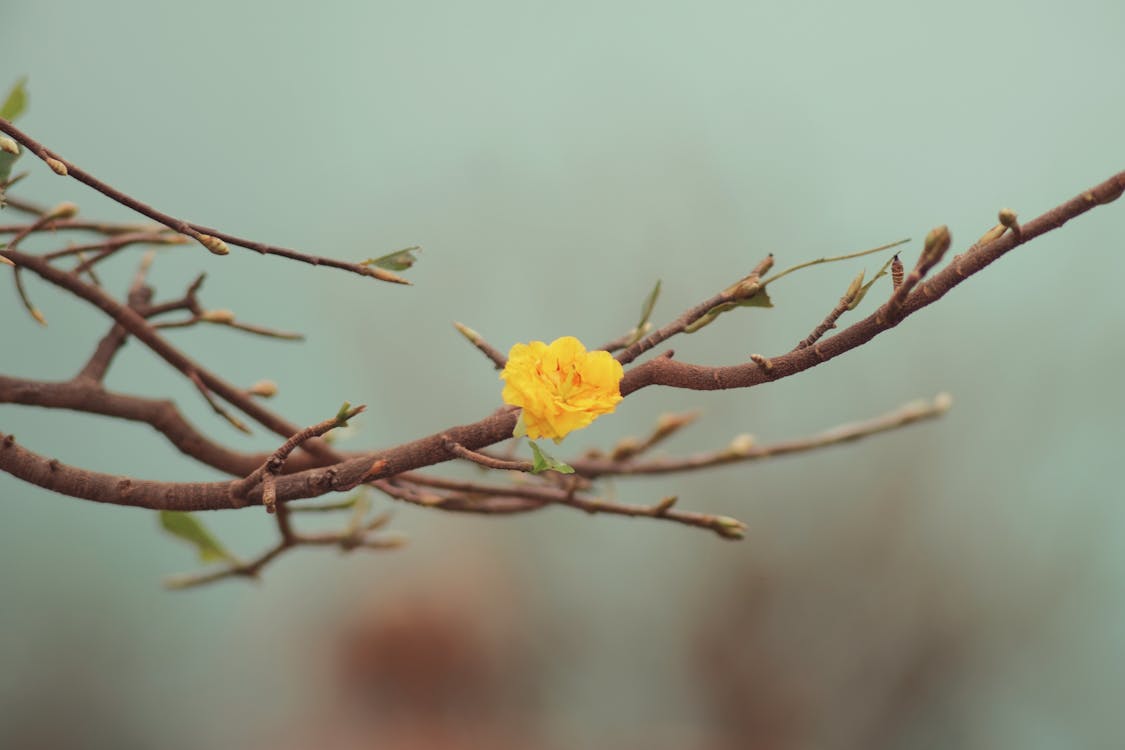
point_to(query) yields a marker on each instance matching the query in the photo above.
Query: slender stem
(196, 231)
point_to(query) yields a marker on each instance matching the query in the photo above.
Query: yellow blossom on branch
(561, 387)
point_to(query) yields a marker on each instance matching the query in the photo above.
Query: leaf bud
(214, 244)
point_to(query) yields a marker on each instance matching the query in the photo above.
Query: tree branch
(670, 373)
(740, 451)
(212, 239)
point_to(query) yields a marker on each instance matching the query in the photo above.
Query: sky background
(959, 583)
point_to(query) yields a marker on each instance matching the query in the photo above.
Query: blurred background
(956, 584)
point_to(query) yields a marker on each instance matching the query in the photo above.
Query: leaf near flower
(187, 527)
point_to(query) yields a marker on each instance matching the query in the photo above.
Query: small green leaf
(650, 303)
(863, 289)
(646, 313)
(16, 102)
(521, 427)
(187, 527)
(544, 461)
(758, 299)
(400, 260)
(342, 415)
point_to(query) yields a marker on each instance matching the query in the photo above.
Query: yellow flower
(561, 387)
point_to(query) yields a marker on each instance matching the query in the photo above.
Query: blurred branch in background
(306, 466)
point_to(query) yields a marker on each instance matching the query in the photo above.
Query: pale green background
(554, 160)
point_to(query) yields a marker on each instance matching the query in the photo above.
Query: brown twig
(346, 541)
(474, 338)
(222, 318)
(87, 395)
(540, 495)
(77, 225)
(212, 239)
(213, 402)
(481, 459)
(329, 471)
(675, 374)
(140, 294)
(742, 450)
(663, 371)
(136, 326)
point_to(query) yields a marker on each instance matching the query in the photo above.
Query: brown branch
(136, 326)
(98, 364)
(63, 210)
(140, 294)
(829, 321)
(76, 225)
(226, 318)
(497, 427)
(111, 245)
(724, 526)
(87, 395)
(272, 466)
(827, 324)
(668, 372)
(742, 450)
(206, 236)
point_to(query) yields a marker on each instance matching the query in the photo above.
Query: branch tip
(729, 528)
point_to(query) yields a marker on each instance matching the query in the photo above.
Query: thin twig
(672, 373)
(724, 526)
(346, 541)
(218, 408)
(140, 294)
(206, 236)
(136, 325)
(484, 460)
(474, 338)
(828, 323)
(742, 450)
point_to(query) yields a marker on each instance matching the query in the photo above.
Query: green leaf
(758, 299)
(521, 427)
(646, 313)
(400, 260)
(544, 461)
(863, 289)
(16, 102)
(342, 415)
(187, 527)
